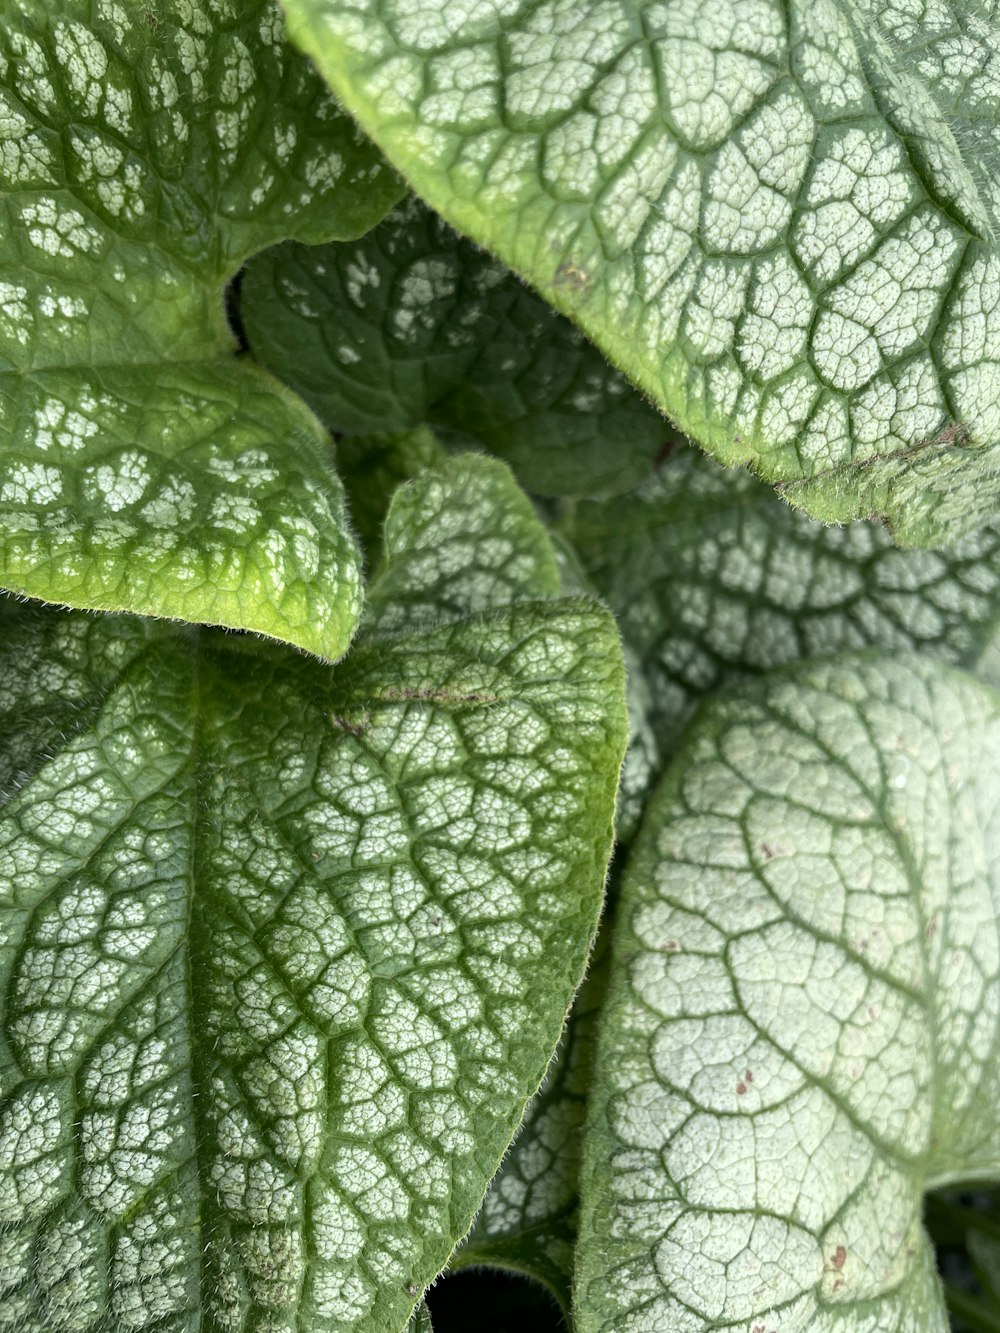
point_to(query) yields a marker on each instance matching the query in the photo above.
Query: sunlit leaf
(145, 153)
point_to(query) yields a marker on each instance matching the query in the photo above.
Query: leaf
(801, 1033)
(372, 467)
(287, 952)
(421, 1321)
(286, 949)
(713, 578)
(966, 1235)
(780, 222)
(528, 1221)
(412, 324)
(457, 539)
(145, 154)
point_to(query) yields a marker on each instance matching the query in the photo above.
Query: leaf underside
(412, 323)
(801, 1034)
(143, 157)
(287, 948)
(779, 220)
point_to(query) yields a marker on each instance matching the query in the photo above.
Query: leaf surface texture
(146, 153)
(801, 1030)
(780, 220)
(413, 323)
(287, 949)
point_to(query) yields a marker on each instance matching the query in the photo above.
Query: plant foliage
(362, 596)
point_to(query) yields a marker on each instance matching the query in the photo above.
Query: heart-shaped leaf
(803, 1021)
(780, 221)
(412, 323)
(145, 153)
(285, 949)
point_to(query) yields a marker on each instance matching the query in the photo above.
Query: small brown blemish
(357, 729)
(767, 852)
(931, 929)
(433, 696)
(748, 1075)
(571, 275)
(741, 1088)
(839, 1258)
(958, 433)
(671, 946)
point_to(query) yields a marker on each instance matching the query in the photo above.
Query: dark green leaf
(412, 323)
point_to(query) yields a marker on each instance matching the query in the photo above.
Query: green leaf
(286, 950)
(712, 578)
(412, 323)
(528, 1221)
(801, 1034)
(372, 467)
(457, 539)
(438, 558)
(286, 953)
(421, 1321)
(144, 155)
(781, 223)
(966, 1233)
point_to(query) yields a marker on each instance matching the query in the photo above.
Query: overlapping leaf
(528, 1221)
(372, 467)
(412, 323)
(144, 154)
(966, 1234)
(711, 577)
(801, 1034)
(781, 221)
(459, 538)
(286, 950)
(421, 1321)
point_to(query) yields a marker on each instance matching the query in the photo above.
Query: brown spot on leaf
(839, 1258)
(357, 729)
(957, 433)
(571, 275)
